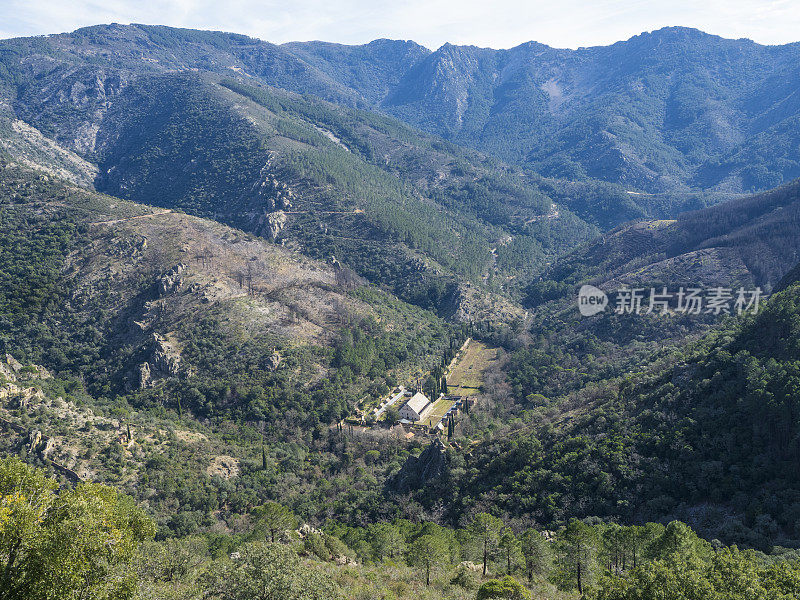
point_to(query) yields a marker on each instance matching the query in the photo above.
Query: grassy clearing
(466, 377)
(439, 410)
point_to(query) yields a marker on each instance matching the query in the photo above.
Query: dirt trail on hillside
(157, 213)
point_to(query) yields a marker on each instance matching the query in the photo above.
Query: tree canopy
(71, 543)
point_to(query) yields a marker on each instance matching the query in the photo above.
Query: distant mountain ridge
(751, 241)
(228, 127)
(667, 111)
(405, 209)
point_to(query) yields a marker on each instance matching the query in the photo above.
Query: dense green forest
(92, 542)
(35, 245)
(705, 432)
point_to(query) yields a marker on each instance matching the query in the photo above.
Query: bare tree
(249, 278)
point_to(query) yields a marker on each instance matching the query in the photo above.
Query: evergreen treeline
(91, 542)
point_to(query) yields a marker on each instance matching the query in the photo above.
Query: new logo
(591, 300)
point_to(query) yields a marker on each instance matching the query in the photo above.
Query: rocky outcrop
(275, 194)
(41, 445)
(223, 466)
(47, 450)
(13, 362)
(21, 397)
(12, 370)
(274, 224)
(343, 560)
(41, 373)
(164, 360)
(7, 370)
(93, 91)
(272, 199)
(419, 470)
(8, 390)
(306, 530)
(34, 440)
(143, 376)
(172, 281)
(128, 247)
(281, 198)
(274, 361)
(456, 306)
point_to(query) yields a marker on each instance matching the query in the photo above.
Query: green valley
(314, 321)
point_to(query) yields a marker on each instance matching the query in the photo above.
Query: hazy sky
(493, 23)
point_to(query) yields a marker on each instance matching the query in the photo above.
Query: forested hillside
(748, 241)
(300, 321)
(667, 111)
(705, 433)
(122, 296)
(404, 209)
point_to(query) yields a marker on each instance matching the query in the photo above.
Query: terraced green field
(466, 377)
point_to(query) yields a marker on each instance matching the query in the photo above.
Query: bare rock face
(143, 376)
(273, 193)
(12, 370)
(7, 369)
(419, 470)
(97, 89)
(275, 222)
(13, 363)
(457, 307)
(273, 197)
(42, 445)
(34, 440)
(171, 282)
(165, 358)
(9, 390)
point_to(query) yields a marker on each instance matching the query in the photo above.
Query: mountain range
(243, 248)
(673, 110)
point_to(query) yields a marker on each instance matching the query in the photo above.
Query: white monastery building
(417, 408)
